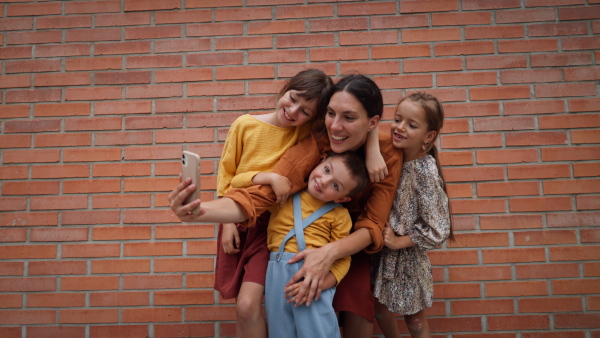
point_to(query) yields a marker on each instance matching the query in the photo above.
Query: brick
(539, 204)
(432, 65)
(251, 42)
(525, 15)
(123, 19)
(92, 94)
(545, 237)
(538, 171)
(496, 62)
(580, 43)
(581, 320)
(183, 264)
(11, 301)
(535, 138)
(158, 32)
(214, 29)
(91, 155)
(33, 95)
(561, 304)
(304, 41)
(12, 235)
(58, 235)
(28, 284)
(62, 109)
(582, 105)
(126, 107)
(460, 19)
(472, 109)
(570, 154)
(13, 203)
(96, 34)
(59, 300)
(569, 121)
(204, 120)
(72, 21)
(395, 81)
(431, 35)
(141, 5)
(479, 273)
(56, 331)
(132, 298)
(582, 74)
(126, 77)
(580, 186)
(121, 169)
(15, 81)
(121, 266)
(90, 250)
(59, 267)
(31, 156)
(337, 24)
(591, 169)
(531, 76)
(234, 103)
(507, 189)
(37, 9)
(202, 247)
(547, 270)
(93, 63)
(151, 249)
(519, 322)
(276, 56)
(308, 11)
(151, 315)
(200, 280)
(84, 316)
(13, 172)
(567, 59)
(460, 190)
(188, 330)
(476, 307)
(506, 156)
(275, 27)
(479, 4)
(98, 331)
(62, 140)
(572, 219)
(118, 48)
(439, 257)
(94, 283)
(469, 141)
(464, 48)
(558, 29)
(210, 313)
(38, 37)
(568, 89)
(16, 24)
(124, 138)
(19, 110)
(154, 152)
(15, 141)
(152, 282)
(209, 59)
(28, 219)
(404, 51)
(518, 255)
(568, 253)
(516, 289)
(195, 297)
(580, 13)
(91, 186)
(17, 52)
(494, 32)
(500, 93)
(121, 233)
(101, 6)
(457, 290)
(75, 49)
(21, 317)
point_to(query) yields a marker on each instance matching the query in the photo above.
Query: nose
(325, 180)
(294, 108)
(335, 124)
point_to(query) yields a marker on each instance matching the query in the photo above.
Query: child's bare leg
(250, 320)
(387, 321)
(417, 325)
(356, 326)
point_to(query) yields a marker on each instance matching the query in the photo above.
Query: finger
(296, 258)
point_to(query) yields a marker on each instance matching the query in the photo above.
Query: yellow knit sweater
(253, 146)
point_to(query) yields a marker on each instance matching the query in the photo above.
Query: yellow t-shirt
(253, 146)
(334, 225)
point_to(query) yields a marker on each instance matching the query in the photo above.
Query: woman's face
(347, 122)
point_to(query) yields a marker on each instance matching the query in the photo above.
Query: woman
(351, 121)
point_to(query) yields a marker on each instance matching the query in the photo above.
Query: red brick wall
(99, 98)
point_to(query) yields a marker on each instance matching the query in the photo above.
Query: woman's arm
(222, 210)
(373, 159)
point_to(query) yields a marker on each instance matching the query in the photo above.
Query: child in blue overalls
(310, 219)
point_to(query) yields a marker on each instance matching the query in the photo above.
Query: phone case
(190, 167)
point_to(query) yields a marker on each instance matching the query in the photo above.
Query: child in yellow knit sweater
(254, 144)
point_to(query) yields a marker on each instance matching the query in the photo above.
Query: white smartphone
(190, 167)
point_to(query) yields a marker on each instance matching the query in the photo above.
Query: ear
(373, 122)
(430, 136)
(342, 199)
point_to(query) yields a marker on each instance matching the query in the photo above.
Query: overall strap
(300, 224)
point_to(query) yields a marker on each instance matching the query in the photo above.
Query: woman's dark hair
(364, 90)
(311, 84)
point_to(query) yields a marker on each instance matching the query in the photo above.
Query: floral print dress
(402, 278)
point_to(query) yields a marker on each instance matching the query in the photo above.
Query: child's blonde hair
(434, 116)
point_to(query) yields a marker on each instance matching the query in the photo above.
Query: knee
(247, 309)
(414, 324)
